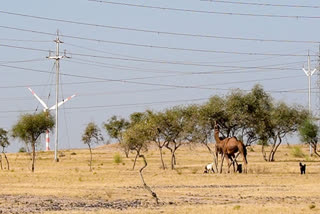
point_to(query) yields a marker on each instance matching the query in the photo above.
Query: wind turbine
(46, 109)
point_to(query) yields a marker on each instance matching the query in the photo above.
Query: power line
(121, 80)
(264, 4)
(174, 62)
(22, 61)
(159, 47)
(131, 104)
(170, 48)
(153, 32)
(226, 71)
(235, 70)
(206, 11)
(23, 40)
(135, 57)
(160, 61)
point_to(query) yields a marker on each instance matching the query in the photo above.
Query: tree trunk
(153, 194)
(90, 157)
(272, 149)
(126, 152)
(162, 162)
(33, 155)
(172, 161)
(314, 146)
(172, 153)
(173, 158)
(214, 156)
(135, 160)
(1, 162)
(275, 148)
(5, 156)
(264, 155)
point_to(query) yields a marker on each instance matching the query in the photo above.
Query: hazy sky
(128, 58)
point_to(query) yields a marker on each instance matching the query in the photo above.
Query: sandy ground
(69, 187)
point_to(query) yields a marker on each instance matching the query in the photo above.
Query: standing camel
(229, 147)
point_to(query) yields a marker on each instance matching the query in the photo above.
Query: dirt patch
(195, 186)
(37, 204)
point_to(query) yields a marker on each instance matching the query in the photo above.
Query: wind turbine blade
(38, 98)
(63, 101)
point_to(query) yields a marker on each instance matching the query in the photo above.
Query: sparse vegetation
(91, 135)
(30, 127)
(309, 134)
(312, 206)
(184, 188)
(117, 158)
(4, 143)
(237, 207)
(22, 150)
(297, 152)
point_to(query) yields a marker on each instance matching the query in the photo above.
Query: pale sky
(134, 56)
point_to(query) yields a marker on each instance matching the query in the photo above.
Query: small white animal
(208, 168)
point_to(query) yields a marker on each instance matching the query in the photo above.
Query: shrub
(194, 171)
(297, 152)
(237, 207)
(61, 155)
(117, 158)
(73, 153)
(22, 150)
(179, 171)
(312, 206)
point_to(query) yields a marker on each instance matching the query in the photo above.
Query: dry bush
(297, 152)
(117, 158)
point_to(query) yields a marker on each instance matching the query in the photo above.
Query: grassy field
(69, 186)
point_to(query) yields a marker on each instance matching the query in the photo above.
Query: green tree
(137, 138)
(253, 108)
(92, 135)
(4, 142)
(29, 128)
(115, 128)
(309, 133)
(156, 123)
(283, 120)
(174, 130)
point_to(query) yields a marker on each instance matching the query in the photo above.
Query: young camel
(229, 147)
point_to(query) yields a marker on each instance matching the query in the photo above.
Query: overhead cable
(207, 11)
(264, 4)
(157, 32)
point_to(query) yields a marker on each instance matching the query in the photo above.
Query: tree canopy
(29, 128)
(253, 117)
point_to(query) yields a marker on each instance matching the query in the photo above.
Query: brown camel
(229, 147)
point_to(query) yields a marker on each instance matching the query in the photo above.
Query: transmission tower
(57, 58)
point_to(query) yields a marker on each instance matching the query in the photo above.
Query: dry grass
(268, 187)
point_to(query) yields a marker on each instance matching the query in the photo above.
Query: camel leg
(235, 161)
(217, 161)
(221, 163)
(245, 162)
(232, 162)
(228, 163)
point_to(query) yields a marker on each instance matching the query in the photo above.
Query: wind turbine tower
(47, 109)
